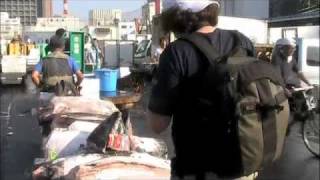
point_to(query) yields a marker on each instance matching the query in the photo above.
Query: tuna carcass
(136, 166)
(96, 166)
(65, 110)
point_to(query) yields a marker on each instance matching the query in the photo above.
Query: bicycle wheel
(310, 133)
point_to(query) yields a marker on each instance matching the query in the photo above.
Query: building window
(290, 33)
(313, 56)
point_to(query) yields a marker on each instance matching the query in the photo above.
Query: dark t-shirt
(180, 72)
(66, 47)
(288, 70)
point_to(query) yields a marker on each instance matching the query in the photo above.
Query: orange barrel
(16, 49)
(29, 47)
(10, 49)
(23, 49)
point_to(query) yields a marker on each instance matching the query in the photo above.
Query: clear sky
(81, 8)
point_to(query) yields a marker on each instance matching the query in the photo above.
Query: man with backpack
(57, 70)
(223, 103)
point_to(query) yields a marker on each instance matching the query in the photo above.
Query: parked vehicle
(305, 108)
(13, 69)
(256, 30)
(308, 59)
(142, 62)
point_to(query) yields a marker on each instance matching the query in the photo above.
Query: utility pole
(65, 7)
(157, 6)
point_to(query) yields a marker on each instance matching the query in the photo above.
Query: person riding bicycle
(56, 67)
(284, 60)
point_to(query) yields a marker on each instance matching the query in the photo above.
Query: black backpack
(65, 88)
(245, 98)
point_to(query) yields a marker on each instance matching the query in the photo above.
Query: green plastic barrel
(43, 50)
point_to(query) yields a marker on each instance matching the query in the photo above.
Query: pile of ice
(90, 140)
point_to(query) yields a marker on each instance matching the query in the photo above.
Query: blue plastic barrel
(97, 73)
(108, 79)
(108, 93)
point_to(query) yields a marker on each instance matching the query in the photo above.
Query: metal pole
(116, 22)
(157, 6)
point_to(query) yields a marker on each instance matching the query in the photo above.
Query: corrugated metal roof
(305, 15)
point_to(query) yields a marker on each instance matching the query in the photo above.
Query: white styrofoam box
(34, 56)
(83, 126)
(124, 71)
(14, 64)
(65, 142)
(90, 88)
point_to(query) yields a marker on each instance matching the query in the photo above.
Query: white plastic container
(62, 143)
(90, 88)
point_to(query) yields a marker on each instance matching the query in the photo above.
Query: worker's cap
(192, 5)
(286, 41)
(56, 42)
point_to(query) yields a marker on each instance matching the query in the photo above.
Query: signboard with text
(77, 47)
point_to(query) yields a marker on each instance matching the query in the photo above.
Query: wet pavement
(20, 139)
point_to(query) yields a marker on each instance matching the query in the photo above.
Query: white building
(47, 26)
(256, 30)
(9, 26)
(148, 11)
(53, 23)
(298, 26)
(302, 21)
(124, 31)
(127, 30)
(257, 9)
(104, 17)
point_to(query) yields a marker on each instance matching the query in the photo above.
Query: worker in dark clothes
(283, 58)
(179, 77)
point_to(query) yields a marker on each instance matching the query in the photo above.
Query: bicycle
(305, 107)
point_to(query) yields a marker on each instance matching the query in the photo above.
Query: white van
(308, 59)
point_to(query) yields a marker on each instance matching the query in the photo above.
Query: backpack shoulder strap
(237, 50)
(203, 44)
